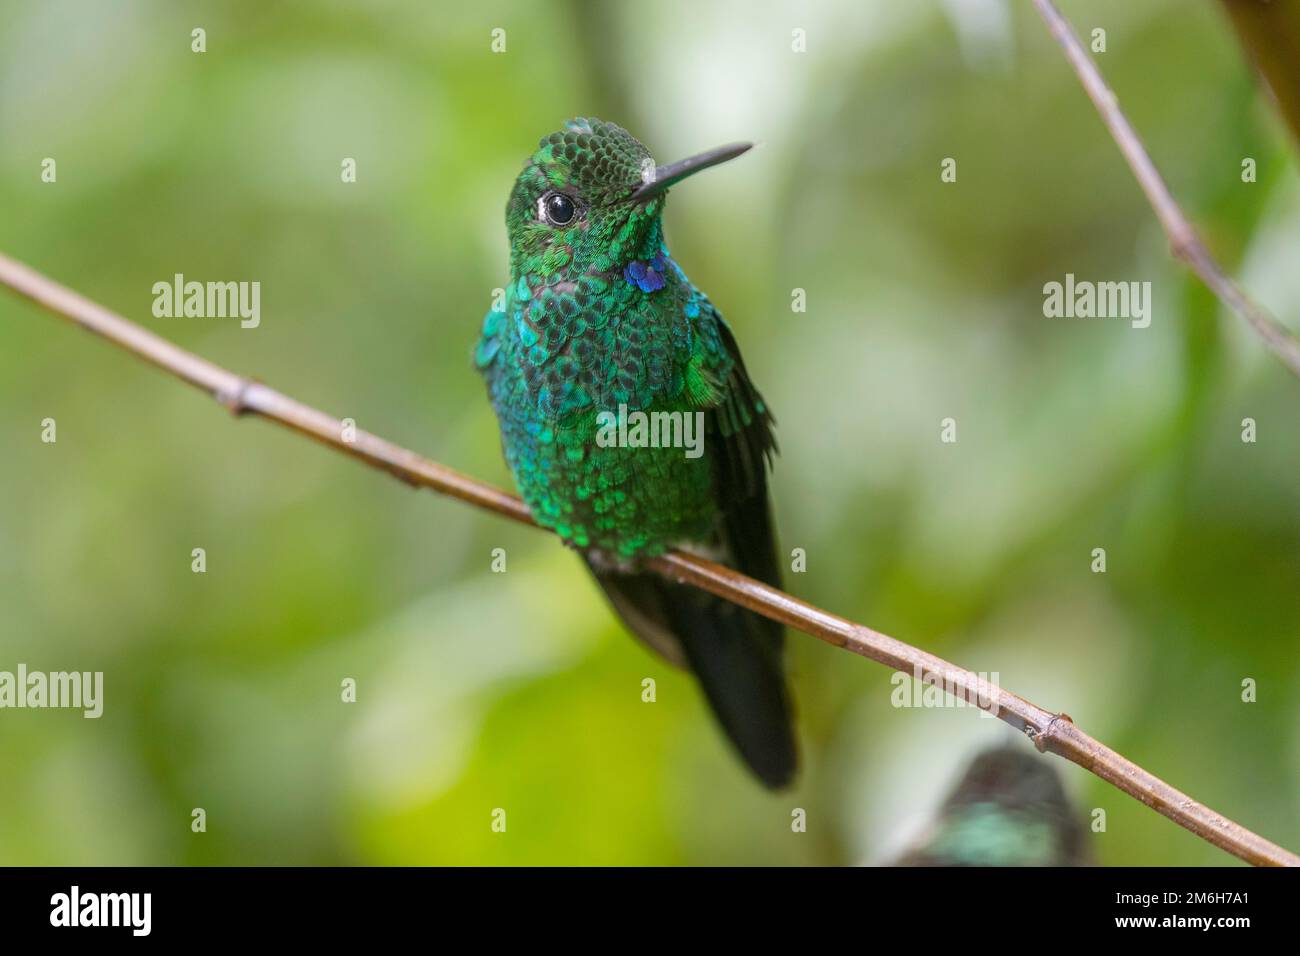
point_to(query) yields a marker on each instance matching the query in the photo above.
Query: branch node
(1043, 738)
(1185, 248)
(235, 400)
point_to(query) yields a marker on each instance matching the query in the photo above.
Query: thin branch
(1183, 240)
(1051, 732)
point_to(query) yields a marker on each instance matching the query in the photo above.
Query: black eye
(558, 209)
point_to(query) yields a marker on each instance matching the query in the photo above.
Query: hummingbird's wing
(736, 655)
(740, 442)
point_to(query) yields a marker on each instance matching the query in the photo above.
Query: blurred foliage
(519, 691)
(1270, 35)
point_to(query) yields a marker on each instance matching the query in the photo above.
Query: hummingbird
(599, 320)
(1009, 809)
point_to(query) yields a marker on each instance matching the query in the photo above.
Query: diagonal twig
(1183, 240)
(1051, 732)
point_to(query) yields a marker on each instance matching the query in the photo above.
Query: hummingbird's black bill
(665, 176)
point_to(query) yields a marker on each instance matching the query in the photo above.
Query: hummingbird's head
(590, 199)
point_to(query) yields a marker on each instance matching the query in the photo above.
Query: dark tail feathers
(735, 654)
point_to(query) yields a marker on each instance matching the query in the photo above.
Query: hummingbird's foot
(610, 562)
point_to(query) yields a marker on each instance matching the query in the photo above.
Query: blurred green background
(519, 690)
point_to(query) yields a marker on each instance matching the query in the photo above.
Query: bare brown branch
(1051, 732)
(1183, 240)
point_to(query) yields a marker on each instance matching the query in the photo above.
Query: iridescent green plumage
(598, 318)
(576, 337)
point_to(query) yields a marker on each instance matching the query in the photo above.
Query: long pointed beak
(665, 176)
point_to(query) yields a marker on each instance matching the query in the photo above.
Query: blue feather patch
(646, 277)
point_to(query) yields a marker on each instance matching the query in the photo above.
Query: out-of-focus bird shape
(1009, 809)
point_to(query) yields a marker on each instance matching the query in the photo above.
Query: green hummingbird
(1009, 809)
(598, 325)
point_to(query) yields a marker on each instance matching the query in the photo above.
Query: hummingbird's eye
(557, 209)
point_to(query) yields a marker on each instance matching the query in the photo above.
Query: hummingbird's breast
(565, 358)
